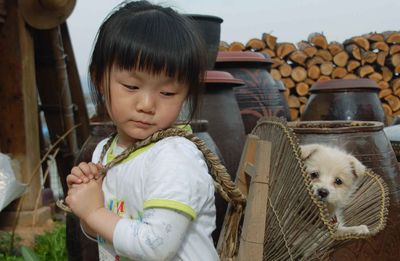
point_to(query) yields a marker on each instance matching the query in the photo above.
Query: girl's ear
(358, 169)
(308, 150)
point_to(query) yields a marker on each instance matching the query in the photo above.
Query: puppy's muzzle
(322, 193)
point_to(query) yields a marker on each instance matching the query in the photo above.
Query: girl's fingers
(78, 172)
(72, 179)
(94, 173)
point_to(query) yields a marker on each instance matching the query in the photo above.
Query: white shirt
(170, 175)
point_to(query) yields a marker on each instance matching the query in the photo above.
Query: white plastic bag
(10, 188)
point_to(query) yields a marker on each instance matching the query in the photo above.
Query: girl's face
(142, 104)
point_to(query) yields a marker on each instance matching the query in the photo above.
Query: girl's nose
(146, 103)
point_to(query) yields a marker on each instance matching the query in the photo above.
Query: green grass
(49, 246)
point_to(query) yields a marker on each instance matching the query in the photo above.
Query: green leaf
(28, 254)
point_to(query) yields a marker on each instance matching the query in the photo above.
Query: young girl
(158, 203)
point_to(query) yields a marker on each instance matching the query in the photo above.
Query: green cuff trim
(171, 204)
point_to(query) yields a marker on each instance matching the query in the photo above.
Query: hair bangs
(174, 53)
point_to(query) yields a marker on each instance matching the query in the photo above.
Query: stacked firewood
(375, 56)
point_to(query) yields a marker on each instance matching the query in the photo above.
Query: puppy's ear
(308, 150)
(358, 169)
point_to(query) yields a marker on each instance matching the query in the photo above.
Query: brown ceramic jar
(339, 99)
(260, 95)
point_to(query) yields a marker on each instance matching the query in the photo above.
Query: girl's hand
(84, 199)
(83, 173)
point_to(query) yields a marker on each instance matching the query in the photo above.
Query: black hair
(142, 36)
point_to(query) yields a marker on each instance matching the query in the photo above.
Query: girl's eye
(168, 93)
(338, 181)
(130, 87)
(314, 175)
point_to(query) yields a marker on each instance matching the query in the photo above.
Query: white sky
(288, 20)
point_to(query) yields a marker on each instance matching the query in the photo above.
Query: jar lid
(213, 76)
(344, 84)
(205, 17)
(239, 56)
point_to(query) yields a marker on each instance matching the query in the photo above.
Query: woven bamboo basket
(283, 220)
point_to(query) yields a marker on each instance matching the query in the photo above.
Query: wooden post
(253, 231)
(19, 132)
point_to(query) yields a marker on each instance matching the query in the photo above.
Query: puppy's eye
(338, 181)
(314, 175)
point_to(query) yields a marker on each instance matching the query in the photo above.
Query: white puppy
(334, 178)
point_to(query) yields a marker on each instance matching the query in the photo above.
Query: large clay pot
(209, 27)
(339, 99)
(260, 95)
(368, 143)
(220, 109)
(393, 134)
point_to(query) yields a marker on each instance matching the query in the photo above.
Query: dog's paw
(361, 229)
(354, 230)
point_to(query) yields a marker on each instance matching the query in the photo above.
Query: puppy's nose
(322, 193)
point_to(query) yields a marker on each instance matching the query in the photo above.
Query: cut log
(365, 70)
(314, 61)
(294, 114)
(236, 46)
(354, 50)
(269, 40)
(395, 48)
(395, 84)
(350, 76)
(381, 58)
(318, 40)
(310, 81)
(324, 78)
(339, 73)
(293, 102)
(395, 59)
(387, 74)
(335, 48)
(375, 37)
(269, 52)
(298, 57)
(307, 48)
(326, 68)
(302, 108)
(341, 58)
(288, 82)
(284, 49)
(303, 100)
(324, 54)
(381, 46)
(298, 74)
(313, 72)
(223, 46)
(383, 85)
(361, 42)
(285, 70)
(375, 76)
(276, 62)
(393, 101)
(397, 69)
(385, 92)
(386, 108)
(276, 75)
(368, 57)
(255, 44)
(302, 89)
(392, 37)
(352, 65)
